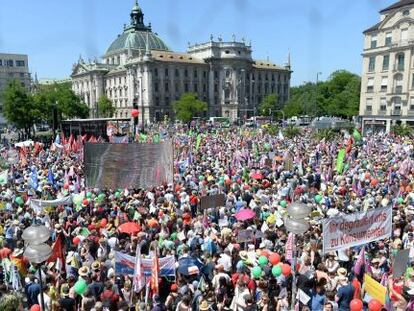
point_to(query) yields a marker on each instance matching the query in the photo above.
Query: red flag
(155, 269)
(57, 253)
(349, 145)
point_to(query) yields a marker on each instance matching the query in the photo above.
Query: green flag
(142, 138)
(84, 232)
(357, 135)
(198, 141)
(156, 138)
(340, 160)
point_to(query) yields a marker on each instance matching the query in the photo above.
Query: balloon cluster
(278, 268)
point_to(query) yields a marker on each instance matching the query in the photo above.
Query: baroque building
(387, 84)
(139, 69)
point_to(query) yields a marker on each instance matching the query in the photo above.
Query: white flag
(4, 177)
(138, 271)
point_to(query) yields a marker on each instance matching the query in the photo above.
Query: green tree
(269, 105)
(188, 107)
(105, 107)
(62, 97)
(19, 107)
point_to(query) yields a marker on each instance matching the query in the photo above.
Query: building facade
(13, 66)
(138, 67)
(387, 85)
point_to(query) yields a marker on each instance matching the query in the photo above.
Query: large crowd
(260, 175)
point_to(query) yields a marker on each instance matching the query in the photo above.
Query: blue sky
(322, 35)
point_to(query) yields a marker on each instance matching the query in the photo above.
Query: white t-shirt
(47, 301)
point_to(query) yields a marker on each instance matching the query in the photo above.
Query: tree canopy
(188, 107)
(105, 107)
(338, 96)
(19, 107)
(269, 105)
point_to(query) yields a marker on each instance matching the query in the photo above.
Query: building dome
(136, 40)
(136, 35)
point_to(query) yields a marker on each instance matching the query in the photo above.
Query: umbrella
(129, 228)
(189, 266)
(245, 214)
(257, 175)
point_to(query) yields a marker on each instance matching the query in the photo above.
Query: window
(195, 87)
(406, 12)
(216, 75)
(204, 74)
(166, 72)
(185, 73)
(412, 81)
(400, 61)
(383, 104)
(156, 72)
(385, 62)
(9, 63)
(371, 65)
(384, 83)
(205, 88)
(1, 62)
(215, 87)
(369, 105)
(388, 39)
(266, 88)
(370, 85)
(273, 77)
(22, 75)
(195, 73)
(176, 88)
(177, 73)
(157, 101)
(185, 87)
(260, 77)
(156, 86)
(167, 89)
(267, 77)
(373, 41)
(167, 100)
(411, 104)
(20, 63)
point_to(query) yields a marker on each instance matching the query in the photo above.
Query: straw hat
(96, 265)
(84, 271)
(342, 272)
(204, 306)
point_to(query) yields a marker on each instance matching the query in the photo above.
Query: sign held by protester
(400, 263)
(212, 201)
(356, 229)
(113, 166)
(375, 289)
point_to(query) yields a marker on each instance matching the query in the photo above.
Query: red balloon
(104, 222)
(228, 181)
(286, 269)
(274, 259)
(66, 186)
(356, 305)
(367, 175)
(85, 202)
(374, 182)
(265, 253)
(374, 305)
(76, 240)
(135, 113)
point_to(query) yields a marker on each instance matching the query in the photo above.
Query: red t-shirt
(357, 288)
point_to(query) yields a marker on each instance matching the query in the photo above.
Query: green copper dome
(135, 36)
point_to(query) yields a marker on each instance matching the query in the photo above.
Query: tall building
(387, 86)
(12, 66)
(139, 68)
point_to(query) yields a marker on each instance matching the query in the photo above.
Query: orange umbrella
(129, 228)
(152, 223)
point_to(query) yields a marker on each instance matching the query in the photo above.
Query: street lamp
(37, 251)
(316, 93)
(297, 224)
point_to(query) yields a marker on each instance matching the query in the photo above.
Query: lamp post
(37, 251)
(297, 224)
(316, 94)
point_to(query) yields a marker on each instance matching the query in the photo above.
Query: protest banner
(125, 265)
(375, 289)
(212, 201)
(245, 236)
(129, 166)
(346, 231)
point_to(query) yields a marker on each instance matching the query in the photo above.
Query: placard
(212, 201)
(245, 236)
(355, 229)
(400, 263)
(375, 289)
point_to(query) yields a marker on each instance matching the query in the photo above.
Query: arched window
(398, 83)
(400, 61)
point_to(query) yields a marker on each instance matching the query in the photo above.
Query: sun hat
(204, 306)
(342, 272)
(84, 271)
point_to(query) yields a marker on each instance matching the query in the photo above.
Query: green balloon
(263, 261)
(101, 196)
(400, 200)
(277, 270)
(257, 272)
(117, 195)
(201, 177)
(283, 203)
(318, 198)
(267, 146)
(80, 287)
(19, 200)
(89, 195)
